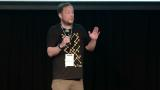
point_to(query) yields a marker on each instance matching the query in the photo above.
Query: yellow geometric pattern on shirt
(75, 49)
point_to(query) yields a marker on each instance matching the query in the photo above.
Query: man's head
(66, 13)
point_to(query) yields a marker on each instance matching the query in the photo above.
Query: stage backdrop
(126, 57)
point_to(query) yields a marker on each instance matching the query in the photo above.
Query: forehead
(68, 8)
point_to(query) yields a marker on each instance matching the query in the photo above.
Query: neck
(66, 25)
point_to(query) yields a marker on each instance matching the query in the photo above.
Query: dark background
(126, 57)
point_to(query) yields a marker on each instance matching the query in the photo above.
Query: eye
(68, 12)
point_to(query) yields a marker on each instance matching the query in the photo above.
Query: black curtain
(126, 57)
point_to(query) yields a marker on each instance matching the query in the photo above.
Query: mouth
(71, 20)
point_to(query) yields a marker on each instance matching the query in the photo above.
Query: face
(67, 15)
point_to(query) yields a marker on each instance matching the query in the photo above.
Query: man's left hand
(94, 34)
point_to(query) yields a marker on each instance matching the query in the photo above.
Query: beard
(69, 22)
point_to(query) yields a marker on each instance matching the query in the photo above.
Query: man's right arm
(53, 51)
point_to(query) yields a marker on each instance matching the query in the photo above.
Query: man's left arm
(91, 45)
(93, 39)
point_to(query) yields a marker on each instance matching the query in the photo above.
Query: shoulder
(54, 27)
(79, 27)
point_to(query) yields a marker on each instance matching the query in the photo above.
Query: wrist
(60, 46)
(94, 40)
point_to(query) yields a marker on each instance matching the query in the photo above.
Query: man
(66, 43)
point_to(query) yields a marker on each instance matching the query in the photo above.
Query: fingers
(98, 33)
(66, 39)
(89, 32)
(96, 29)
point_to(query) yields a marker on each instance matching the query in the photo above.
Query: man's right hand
(66, 40)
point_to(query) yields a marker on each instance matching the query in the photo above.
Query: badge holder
(69, 60)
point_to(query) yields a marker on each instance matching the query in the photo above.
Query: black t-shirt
(79, 39)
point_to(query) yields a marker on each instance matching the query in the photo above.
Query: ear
(60, 16)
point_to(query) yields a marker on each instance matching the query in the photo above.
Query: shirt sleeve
(51, 37)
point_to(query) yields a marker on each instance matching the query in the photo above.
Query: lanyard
(68, 30)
